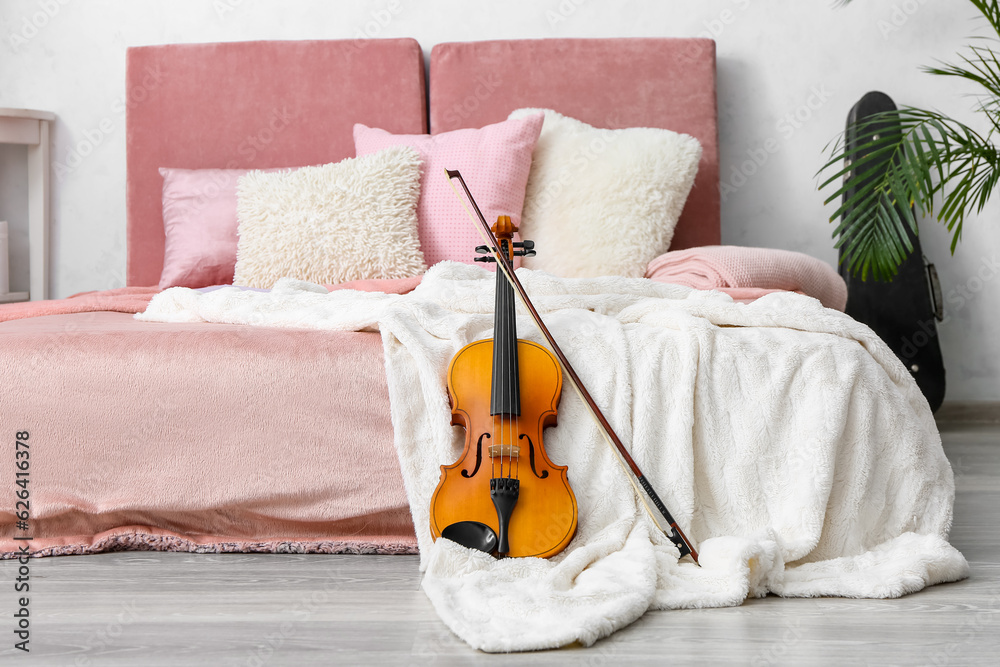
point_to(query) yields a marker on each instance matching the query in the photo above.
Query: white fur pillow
(351, 220)
(604, 202)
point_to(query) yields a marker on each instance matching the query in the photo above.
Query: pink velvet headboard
(609, 83)
(289, 104)
(254, 105)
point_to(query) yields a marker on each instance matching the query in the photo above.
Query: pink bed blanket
(749, 273)
(196, 437)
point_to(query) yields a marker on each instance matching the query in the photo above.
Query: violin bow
(676, 535)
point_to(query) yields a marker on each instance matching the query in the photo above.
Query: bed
(139, 441)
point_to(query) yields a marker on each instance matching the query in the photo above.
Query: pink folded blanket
(387, 285)
(121, 300)
(737, 270)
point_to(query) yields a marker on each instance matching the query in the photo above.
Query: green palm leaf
(924, 164)
(932, 159)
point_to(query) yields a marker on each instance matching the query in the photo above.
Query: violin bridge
(506, 451)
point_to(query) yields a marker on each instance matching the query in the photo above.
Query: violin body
(504, 392)
(545, 517)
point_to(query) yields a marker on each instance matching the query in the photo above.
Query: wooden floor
(177, 609)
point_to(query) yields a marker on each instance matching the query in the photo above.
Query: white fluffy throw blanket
(787, 440)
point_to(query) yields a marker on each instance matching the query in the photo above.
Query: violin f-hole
(531, 457)
(479, 457)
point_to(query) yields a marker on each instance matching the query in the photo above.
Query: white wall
(777, 58)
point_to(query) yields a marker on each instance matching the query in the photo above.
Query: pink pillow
(199, 221)
(494, 161)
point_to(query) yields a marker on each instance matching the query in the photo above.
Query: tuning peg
(483, 250)
(484, 259)
(527, 245)
(524, 253)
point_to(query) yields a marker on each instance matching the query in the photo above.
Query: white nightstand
(31, 127)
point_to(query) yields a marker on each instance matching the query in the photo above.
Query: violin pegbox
(504, 230)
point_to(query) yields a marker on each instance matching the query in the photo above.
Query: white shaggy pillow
(604, 202)
(351, 220)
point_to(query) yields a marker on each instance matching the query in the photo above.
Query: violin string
(515, 369)
(505, 364)
(510, 367)
(498, 416)
(514, 379)
(498, 338)
(505, 417)
(512, 351)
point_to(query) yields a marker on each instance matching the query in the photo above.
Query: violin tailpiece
(504, 492)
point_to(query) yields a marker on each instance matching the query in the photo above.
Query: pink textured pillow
(199, 221)
(494, 161)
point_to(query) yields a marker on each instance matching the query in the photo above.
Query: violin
(504, 392)
(477, 535)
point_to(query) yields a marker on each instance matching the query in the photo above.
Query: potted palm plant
(937, 166)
